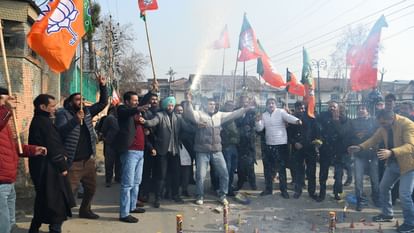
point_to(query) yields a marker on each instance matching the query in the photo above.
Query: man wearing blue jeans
(207, 144)
(397, 133)
(131, 144)
(8, 163)
(362, 128)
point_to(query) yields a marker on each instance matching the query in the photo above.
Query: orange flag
(58, 31)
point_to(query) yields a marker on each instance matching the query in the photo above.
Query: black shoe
(253, 186)
(405, 228)
(140, 204)
(285, 195)
(88, 214)
(296, 195)
(358, 207)
(144, 198)
(320, 198)
(231, 194)
(178, 200)
(138, 211)
(156, 204)
(266, 192)
(185, 193)
(382, 218)
(129, 219)
(337, 196)
(108, 184)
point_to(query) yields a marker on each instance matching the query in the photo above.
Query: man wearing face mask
(302, 137)
(168, 126)
(78, 135)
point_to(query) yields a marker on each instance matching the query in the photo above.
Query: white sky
(182, 30)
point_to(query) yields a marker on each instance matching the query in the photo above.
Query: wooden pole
(224, 56)
(150, 52)
(81, 76)
(6, 71)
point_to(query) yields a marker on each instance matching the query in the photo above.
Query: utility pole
(171, 73)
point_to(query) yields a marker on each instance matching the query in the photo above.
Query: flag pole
(287, 90)
(222, 76)
(6, 71)
(234, 75)
(81, 76)
(150, 51)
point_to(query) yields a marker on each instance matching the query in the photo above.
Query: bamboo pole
(154, 81)
(81, 77)
(234, 75)
(6, 71)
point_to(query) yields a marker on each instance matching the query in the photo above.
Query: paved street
(267, 214)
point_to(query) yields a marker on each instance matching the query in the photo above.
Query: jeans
(366, 161)
(230, 155)
(217, 161)
(7, 207)
(391, 176)
(132, 162)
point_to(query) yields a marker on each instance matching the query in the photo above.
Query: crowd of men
(157, 149)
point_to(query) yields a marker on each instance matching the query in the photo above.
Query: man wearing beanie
(167, 129)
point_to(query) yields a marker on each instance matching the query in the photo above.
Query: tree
(119, 61)
(96, 22)
(131, 69)
(337, 68)
(350, 37)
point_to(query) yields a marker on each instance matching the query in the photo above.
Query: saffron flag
(293, 86)
(115, 97)
(249, 49)
(309, 84)
(58, 30)
(223, 42)
(267, 71)
(145, 5)
(363, 59)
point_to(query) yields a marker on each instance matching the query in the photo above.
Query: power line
(398, 33)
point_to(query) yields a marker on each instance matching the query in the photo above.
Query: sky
(182, 32)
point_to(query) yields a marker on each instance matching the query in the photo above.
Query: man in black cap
(76, 129)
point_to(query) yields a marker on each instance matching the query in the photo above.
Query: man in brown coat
(397, 133)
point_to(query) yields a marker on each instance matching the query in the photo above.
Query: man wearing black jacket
(76, 129)
(54, 198)
(302, 138)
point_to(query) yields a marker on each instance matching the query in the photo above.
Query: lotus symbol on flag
(62, 18)
(44, 8)
(148, 2)
(247, 42)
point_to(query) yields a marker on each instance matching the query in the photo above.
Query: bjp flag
(58, 31)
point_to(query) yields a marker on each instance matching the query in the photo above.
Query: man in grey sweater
(207, 144)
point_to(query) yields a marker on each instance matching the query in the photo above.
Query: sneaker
(199, 202)
(405, 228)
(296, 195)
(129, 219)
(138, 211)
(383, 218)
(223, 200)
(337, 196)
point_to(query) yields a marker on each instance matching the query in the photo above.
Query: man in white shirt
(274, 122)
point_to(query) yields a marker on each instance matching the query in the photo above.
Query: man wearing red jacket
(8, 163)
